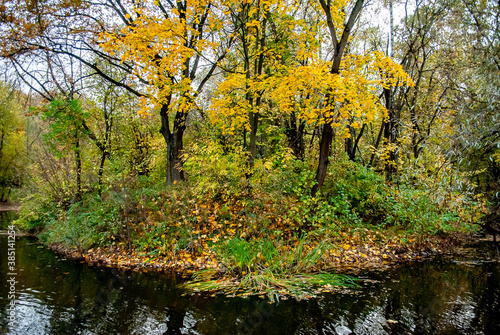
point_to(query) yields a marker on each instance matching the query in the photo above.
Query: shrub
(36, 212)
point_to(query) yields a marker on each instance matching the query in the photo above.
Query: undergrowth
(267, 233)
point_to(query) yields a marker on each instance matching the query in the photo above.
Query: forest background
(257, 139)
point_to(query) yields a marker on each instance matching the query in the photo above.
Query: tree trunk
(174, 140)
(353, 141)
(324, 153)
(1, 144)
(104, 154)
(295, 134)
(389, 135)
(78, 159)
(349, 144)
(254, 123)
(377, 142)
(339, 47)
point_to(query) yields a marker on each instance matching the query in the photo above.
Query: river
(449, 294)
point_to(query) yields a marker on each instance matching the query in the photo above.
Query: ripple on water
(148, 322)
(459, 315)
(35, 316)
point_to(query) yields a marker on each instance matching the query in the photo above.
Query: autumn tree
(340, 90)
(338, 45)
(65, 118)
(298, 82)
(264, 34)
(165, 51)
(413, 43)
(176, 49)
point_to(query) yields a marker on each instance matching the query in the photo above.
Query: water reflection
(448, 295)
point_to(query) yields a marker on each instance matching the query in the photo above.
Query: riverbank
(346, 259)
(208, 272)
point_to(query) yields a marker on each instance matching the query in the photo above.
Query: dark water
(457, 294)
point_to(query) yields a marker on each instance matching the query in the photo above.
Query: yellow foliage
(160, 48)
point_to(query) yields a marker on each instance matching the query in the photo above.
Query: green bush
(212, 169)
(87, 223)
(355, 187)
(415, 211)
(36, 212)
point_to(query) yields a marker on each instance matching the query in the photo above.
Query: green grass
(270, 268)
(273, 285)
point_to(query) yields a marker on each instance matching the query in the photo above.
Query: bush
(355, 187)
(416, 211)
(85, 224)
(36, 212)
(212, 170)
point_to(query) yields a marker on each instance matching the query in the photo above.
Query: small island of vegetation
(258, 147)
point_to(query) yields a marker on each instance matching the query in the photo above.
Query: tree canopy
(304, 79)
